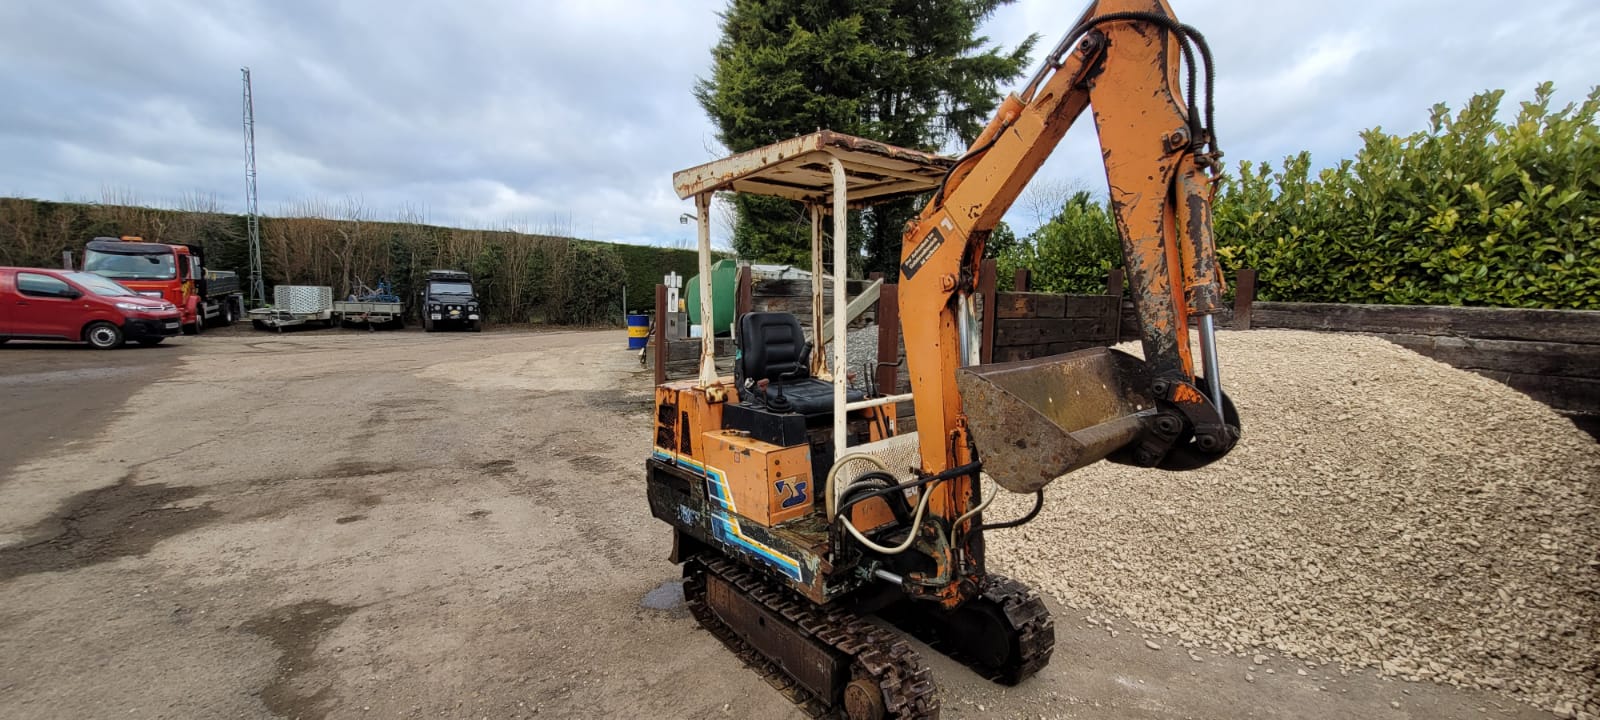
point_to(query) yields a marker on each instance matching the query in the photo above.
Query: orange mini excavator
(799, 505)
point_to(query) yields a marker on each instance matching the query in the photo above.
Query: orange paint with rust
(1134, 74)
(769, 484)
(684, 411)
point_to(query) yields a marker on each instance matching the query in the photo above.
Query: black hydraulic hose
(967, 469)
(1211, 82)
(1187, 35)
(1166, 21)
(1189, 40)
(1038, 504)
(845, 505)
(874, 477)
(938, 198)
(874, 481)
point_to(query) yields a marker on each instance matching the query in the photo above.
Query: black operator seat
(773, 347)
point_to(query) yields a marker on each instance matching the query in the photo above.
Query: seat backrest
(772, 346)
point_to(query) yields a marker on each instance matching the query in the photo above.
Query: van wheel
(103, 335)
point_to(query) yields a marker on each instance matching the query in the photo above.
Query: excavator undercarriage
(801, 505)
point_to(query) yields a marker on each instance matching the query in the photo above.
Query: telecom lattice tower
(258, 290)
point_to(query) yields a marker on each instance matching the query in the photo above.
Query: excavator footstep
(1036, 420)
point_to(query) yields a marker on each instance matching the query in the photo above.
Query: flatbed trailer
(369, 313)
(278, 319)
(296, 305)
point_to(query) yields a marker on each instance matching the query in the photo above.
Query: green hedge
(646, 266)
(1070, 254)
(1471, 211)
(520, 277)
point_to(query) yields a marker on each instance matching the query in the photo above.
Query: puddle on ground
(666, 596)
(107, 523)
(296, 631)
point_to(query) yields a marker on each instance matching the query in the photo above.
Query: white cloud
(500, 113)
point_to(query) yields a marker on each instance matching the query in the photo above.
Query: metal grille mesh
(899, 453)
(303, 298)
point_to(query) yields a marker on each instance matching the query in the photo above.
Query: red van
(39, 304)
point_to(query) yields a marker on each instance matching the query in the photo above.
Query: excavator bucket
(1036, 420)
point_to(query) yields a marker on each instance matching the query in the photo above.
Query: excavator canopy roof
(797, 169)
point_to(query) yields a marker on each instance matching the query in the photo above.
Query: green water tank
(724, 281)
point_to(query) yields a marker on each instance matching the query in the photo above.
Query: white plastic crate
(300, 299)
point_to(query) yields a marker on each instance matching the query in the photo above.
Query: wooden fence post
(986, 283)
(888, 338)
(1114, 283)
(1244, 297)
(663, 348)
(744, 296)
(1022, 281)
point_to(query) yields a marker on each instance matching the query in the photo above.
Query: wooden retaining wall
(794, 297)
(1023, 325)
(1552, 355)
(1029, 325)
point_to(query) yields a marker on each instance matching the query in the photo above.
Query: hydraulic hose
(911, 537)
(828, 490)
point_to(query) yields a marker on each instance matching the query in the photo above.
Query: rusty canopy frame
(823, 170)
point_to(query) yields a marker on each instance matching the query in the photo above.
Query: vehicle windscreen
(449, 288)
(99, 285)
(130, 267)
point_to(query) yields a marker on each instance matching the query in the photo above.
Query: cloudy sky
(537, 114)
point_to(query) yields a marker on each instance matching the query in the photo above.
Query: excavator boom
(1036, 420)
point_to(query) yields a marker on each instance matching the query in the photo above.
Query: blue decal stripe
(726, 526)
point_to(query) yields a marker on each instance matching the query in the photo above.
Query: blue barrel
(638, 331)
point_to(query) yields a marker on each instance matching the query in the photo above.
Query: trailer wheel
(103, 335)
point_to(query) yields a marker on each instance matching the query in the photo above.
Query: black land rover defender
(448, 301)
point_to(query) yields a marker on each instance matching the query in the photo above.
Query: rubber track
(1034, 627)
(884, 656)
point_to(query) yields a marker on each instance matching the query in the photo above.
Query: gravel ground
(861, 350)
(1383, 510)
(326, 524)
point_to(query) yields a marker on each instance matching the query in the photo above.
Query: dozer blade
(1036, 420)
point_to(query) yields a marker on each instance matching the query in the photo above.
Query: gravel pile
(861, 351)
(1383, 510)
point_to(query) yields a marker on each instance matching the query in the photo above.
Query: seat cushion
(772, 346)
(808, 396)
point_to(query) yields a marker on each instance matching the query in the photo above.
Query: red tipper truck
(175, 273)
